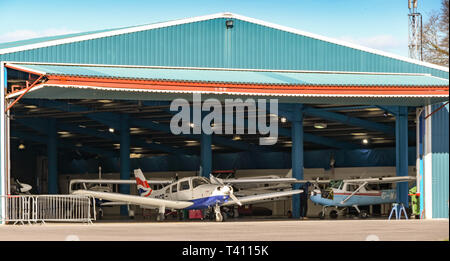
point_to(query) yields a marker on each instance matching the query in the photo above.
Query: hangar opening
(351, 114)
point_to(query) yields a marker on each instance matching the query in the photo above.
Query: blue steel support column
(297, 155)
(401, 152)
(52, 154)
(205, 151)
(206, 155)
(124, 158)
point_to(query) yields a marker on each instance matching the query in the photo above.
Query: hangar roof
(205, 42)
(141, 83)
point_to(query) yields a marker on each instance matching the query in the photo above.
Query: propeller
(226, 189)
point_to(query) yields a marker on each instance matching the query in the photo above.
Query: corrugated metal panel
(246, 77)
(80, 92)
(440, 161)
(209, 44)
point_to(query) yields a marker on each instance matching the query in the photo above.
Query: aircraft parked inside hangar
(186, 193)
(343, 194)
(20, 188)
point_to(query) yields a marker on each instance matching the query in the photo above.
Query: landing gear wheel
(160, 217)
(322, 215)
(333, 214)
(219, 217)
(363, 214)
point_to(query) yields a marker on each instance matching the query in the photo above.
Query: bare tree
(435, 36)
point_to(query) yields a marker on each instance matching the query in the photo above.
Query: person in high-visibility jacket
(415, 206)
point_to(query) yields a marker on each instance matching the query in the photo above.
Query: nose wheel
(220, 217)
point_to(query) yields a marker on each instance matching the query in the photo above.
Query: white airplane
(20, 188)
(186, 193)
(353, 193)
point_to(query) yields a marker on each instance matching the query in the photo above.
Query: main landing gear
(161, 214)
(336, 212)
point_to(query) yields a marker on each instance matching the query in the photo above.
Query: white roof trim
(22, 66)
(226, 93)
(214, 16)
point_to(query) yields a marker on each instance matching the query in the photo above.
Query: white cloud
(29, 34)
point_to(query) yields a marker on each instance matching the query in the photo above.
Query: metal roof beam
(332, 116)
(64, 144)
(106, 118)
(289, 115)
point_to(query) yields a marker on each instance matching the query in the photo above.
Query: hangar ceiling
(80, 129)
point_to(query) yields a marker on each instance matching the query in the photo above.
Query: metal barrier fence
(51, 208)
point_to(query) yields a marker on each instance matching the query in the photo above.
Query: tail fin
(142, 184)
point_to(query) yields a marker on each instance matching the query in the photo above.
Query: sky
(378, 24)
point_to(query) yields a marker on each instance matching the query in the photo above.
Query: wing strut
(354, 192)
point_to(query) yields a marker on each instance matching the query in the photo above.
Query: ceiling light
(105, 101)
(229, 24)
(21, 146)
(136, 155)
(365, 141)
(237, 137)
(78, 145)
(283, 119)
(358, 133)
(111, 130)
(192, 125)
(63, 132)
(30, 106)
(320, 125)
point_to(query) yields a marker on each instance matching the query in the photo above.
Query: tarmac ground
(234, 230)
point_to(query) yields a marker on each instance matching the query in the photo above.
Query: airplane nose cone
(225, 189)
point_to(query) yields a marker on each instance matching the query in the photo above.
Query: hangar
(80, 101)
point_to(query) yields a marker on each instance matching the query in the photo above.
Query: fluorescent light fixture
(358, 133)
(63, 132)
(320, 125)
(136, 155)
(105, 101)
(237, 137)
(30, 106)
(283, 119)
(111, 130)
(365, 141)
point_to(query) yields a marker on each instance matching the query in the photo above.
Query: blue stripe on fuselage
(207, 202)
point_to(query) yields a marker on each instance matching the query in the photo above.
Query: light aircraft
(343, 194)
(187, 193)
(20, 188)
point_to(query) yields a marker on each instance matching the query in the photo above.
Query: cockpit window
(199, 181)
(336, 184)
(184, 185)
(174, 188)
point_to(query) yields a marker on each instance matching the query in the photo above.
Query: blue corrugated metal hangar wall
(209, 44)
(440, 161)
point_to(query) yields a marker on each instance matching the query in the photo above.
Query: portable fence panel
(34, 208)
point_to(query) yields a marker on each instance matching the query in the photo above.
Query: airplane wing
(118, 181)
(135, 200)
(380, 180)
(264, 180)
(260, 197)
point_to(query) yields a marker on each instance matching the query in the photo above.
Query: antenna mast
(415, 31)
